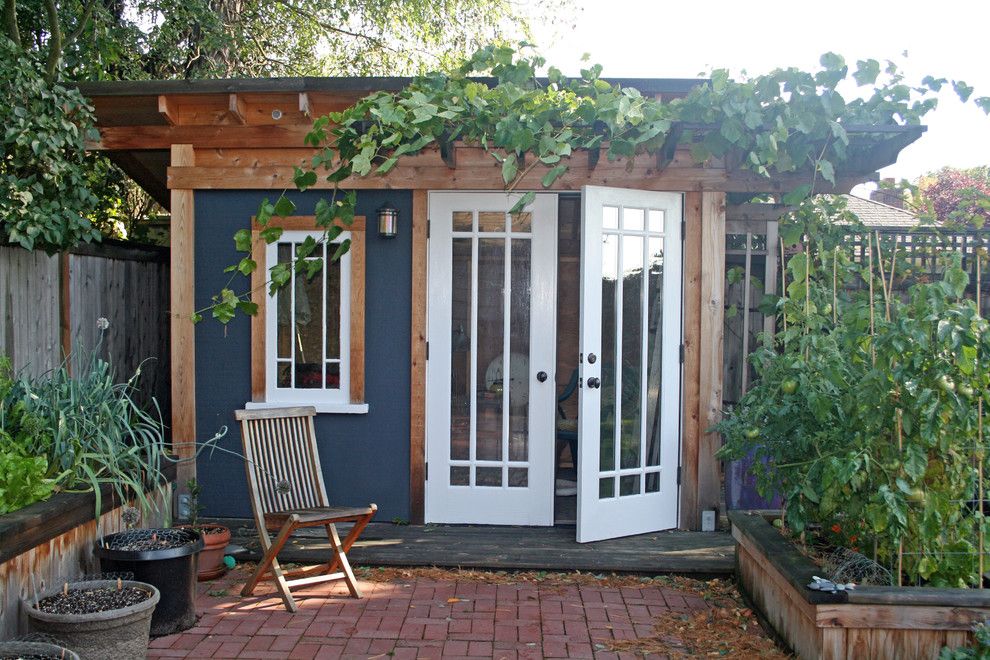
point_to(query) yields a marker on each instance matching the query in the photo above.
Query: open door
(630, 338)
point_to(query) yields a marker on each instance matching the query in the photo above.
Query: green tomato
(916, 496)
(946, 384)
(752, 433)
(778, 523)
(789, 386)
(966, 390)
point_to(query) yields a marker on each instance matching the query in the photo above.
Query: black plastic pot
(172, 570)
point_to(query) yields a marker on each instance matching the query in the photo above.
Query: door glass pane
(491, 370)
(460, 351)
(610, 217)
(488, 476)
(632, 352)
(518, 477)
(633, 219)
(460, 475)
(629, 485)
(463, 221)
(519, 351)
(654, 360)
(606, 487)
(610, 266)
(655, 220)
(283, 303)
(522, 221)
(652, 482)
(490, 221)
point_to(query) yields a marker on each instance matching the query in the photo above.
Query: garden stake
(883, 278)
(807, 303)
(979, 432)
(873, 350)
(835, 285)
(893, 267)
(900, 541)
(783, 286)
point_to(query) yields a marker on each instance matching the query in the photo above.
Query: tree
(132, 39)
(957, 197)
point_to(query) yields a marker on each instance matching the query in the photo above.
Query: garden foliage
(871, 435)
(64, 433)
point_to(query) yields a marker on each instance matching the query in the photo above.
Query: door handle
(594, 383)
(542, 376)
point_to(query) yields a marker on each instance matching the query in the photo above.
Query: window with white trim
(307, 344)
(308, 339)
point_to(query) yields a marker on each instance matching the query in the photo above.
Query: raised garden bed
(53, 540)
(867, 622)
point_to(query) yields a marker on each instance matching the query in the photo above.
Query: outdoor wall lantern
(388, 220)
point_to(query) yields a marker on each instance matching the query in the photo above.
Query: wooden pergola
(176, 137)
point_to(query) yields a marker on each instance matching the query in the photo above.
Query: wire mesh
(843, 565)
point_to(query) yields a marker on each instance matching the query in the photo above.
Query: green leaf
(523, 202)
(509, 169)
(963, 91)
(553, 175)
(284, 206)
(827, 170)
(246, 266)
(304, 180)
(242, 240)
(798, 195)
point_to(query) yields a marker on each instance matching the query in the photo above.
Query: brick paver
(422, 618)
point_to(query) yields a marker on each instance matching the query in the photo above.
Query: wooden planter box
(868, 622)
(53, 541)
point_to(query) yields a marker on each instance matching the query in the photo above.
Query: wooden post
(417, 376)
(690, 513)
(182, 236)
(710, 345)
(65, 308)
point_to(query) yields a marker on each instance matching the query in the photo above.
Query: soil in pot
(165, 558)
(215, 541)
(100, 619)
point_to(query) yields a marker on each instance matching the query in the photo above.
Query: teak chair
(288, 493)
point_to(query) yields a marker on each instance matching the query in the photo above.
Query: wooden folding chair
(288, 493)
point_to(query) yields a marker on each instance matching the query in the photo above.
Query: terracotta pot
(215, 540)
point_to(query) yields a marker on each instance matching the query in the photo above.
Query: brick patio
(423, 618)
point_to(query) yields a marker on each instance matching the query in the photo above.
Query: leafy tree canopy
(957, 197)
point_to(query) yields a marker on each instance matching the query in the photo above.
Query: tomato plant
(872, 434)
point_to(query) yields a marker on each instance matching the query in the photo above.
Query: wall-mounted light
(276, 114)
(388, 221)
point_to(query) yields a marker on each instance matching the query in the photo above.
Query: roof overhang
(249, 134)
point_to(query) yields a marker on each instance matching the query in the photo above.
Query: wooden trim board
(710, 346)
(690, 514)
(417, 372)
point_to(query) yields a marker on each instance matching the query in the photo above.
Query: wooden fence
(49, 306)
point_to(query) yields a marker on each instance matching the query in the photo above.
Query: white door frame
(532, 504)
(600, 517)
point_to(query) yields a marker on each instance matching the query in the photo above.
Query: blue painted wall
(365, 457)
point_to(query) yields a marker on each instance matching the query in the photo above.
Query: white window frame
(335, 400)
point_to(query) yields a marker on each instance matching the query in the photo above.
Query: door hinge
(428, 351)
(681, 353)
(683, 228)
(426, 472)
(678, 475)
(428, 230)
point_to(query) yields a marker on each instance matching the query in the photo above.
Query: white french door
(630, 336)
(490, 383)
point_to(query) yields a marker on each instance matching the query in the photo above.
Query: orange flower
(836, 528)
(852, 539)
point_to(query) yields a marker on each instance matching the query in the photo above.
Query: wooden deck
(517, 548)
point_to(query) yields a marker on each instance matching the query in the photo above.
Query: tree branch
(10, 21)
(83, 20)
(54, 40)
(305, 13)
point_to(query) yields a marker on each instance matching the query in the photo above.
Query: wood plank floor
(540, 548)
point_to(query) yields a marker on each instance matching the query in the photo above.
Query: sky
(666, 39)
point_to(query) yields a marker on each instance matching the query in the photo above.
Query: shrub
(874, 435)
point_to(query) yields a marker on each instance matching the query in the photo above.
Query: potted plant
(215, 537)
(164, 558)
(37, 650)
(98, 619)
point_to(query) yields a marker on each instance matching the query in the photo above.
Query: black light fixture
(388, 221)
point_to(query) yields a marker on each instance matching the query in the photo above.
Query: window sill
(331, 408)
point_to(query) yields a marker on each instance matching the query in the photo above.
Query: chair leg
(352, 536)
(340, 558)
(271, 560)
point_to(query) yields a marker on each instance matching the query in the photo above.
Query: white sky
(665, 38)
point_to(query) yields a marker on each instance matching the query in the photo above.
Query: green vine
(787, 121)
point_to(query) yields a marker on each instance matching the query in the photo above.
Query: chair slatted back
(283, 465)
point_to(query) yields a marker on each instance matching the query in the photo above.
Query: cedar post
(182, 236)
(417, 375)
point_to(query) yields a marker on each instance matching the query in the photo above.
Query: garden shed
(454, 363)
